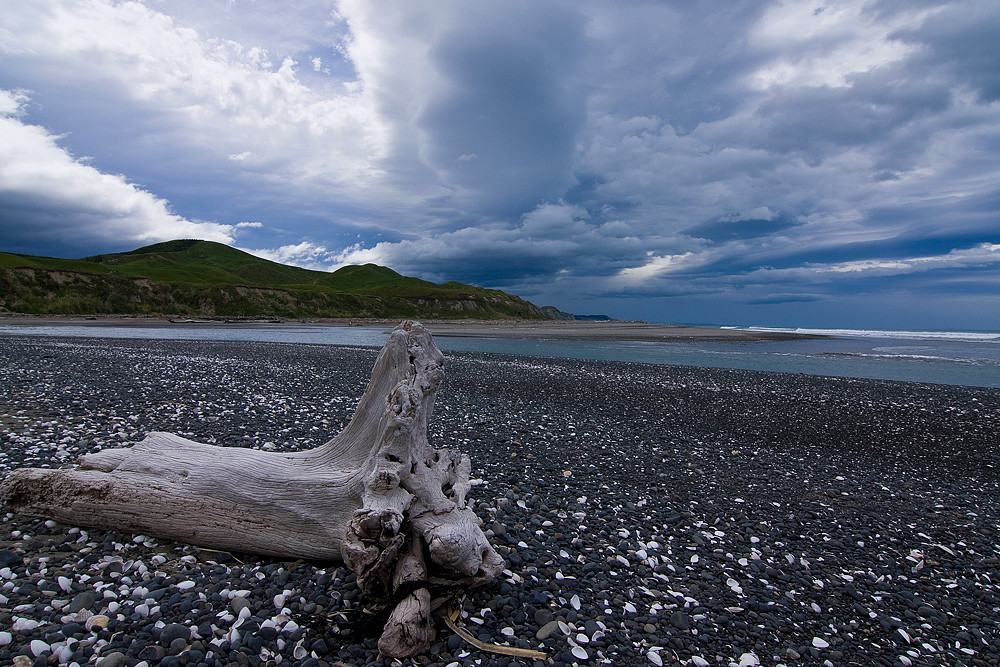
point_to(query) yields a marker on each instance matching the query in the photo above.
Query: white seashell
(299, 652)
(580, 653)
(65, 583)
(575, 602)
(749, 660)
(654, 657)
(5, 638)
(819, 642)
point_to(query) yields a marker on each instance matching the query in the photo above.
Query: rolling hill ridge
(203, 278)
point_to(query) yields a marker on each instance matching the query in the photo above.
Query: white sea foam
(962, 336)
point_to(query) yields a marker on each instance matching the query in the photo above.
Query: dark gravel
(648, 514)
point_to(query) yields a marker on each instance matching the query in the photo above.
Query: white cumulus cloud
(48, 191)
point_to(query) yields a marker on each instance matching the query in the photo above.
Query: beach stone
(152, 652)
(680, 620)
(9, 558)
(543, 616)
(238, 604)
(38, 647)
(174, 631)
(84, 600)
(115, 659)
(547, 630)
(177, 645)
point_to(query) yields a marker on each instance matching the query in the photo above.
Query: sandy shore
(514, 329)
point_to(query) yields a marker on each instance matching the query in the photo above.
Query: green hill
(203, 278)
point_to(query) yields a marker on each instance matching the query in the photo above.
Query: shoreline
(585, 330)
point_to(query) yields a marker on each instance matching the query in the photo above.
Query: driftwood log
(377, 496)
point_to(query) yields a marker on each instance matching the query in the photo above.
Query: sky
(735, 162)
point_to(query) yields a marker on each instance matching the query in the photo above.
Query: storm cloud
(765, 162)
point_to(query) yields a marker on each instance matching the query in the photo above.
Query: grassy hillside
(188, 277)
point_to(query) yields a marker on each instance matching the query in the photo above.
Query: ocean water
(969, 358)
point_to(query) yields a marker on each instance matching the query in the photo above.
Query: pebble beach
(648, 514)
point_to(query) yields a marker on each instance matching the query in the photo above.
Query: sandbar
(508, 329)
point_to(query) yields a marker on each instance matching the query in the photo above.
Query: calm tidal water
(962, 358)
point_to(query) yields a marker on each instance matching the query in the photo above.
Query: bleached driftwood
(377, 496)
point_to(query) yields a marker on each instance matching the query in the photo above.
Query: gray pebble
(547, 630)
(174, 631)
(680, 620)
(116, 659)
(84, 600)
(239, 604)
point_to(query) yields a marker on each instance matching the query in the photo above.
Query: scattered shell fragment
(99, 621)
(299, 652)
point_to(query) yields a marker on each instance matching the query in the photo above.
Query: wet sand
(512, 329)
